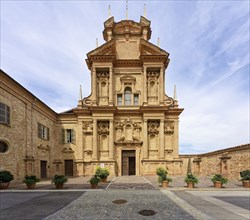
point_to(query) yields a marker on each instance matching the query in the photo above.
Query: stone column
(94, 155)
(110, 86)
(145, 138)
(111, 139)
(94, 81)
(161, 145)
(176, 138)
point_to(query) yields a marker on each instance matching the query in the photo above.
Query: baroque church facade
(127, 124)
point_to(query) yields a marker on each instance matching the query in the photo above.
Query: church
(127, 123)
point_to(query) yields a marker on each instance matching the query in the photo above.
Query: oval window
(3, 147)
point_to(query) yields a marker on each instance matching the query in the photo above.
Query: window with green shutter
(4, 114)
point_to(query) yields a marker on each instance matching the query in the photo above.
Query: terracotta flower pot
(59, 186)
(31, 186)
(4, 185)
(246, 183)
(190, 185)
(165, 184)
(104, 180)
(94, 186)
(218, 184)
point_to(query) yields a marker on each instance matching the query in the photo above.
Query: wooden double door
(128, 162)
(68, 167)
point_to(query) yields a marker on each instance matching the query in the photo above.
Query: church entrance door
(128, 162)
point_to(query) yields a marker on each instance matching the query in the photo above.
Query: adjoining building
(127, 123)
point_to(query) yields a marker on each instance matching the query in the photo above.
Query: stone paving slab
(99, 205)
(23, 206)
(215, 208)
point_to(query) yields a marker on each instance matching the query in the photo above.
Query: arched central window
(128, 94)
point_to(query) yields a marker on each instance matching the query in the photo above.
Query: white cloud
(44, 46)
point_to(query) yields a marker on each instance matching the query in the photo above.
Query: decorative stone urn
(218, 184)
(165, 184)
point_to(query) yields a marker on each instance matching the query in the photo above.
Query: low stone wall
(228, 162)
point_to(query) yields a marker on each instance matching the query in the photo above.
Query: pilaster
(161, 144)
(111, 139)
(94, 155)
(145, 138)
(111, 101)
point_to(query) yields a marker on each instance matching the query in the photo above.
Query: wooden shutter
(73, 133)
(8, 114)
(63, 136)
(39, 130)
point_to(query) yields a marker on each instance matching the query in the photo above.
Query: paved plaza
(126, 197)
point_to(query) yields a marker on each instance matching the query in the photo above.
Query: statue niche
(103, 86)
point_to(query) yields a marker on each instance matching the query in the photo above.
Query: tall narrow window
(127, 96)
(119, 99)
(43, 132)
(4, 114)
(68, 136)
(136, 99)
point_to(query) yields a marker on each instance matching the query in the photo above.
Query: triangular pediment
(147, 48)
(105, 49)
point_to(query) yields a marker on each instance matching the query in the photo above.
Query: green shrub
(95, 180)
(59, 179)
(5, 176)
(219, 178)
(102, 172)
(161, 171)
(190, 178)
(245, 175)
(30, 179)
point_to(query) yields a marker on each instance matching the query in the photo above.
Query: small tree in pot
(102, 173)
(59, 180)
(162, 177)
(5, 178)
(219, 180)
(94, 181)
(30, 181)
(245, 178)
(191, 180)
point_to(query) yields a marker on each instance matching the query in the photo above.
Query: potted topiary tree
(5, 178)
(191, 180)
(59, 180)
(219, 180)
(94, 181)
(162, 177)
(245, 178)
(30, 181)
(102, 173)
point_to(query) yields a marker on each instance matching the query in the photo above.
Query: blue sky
(44, 46)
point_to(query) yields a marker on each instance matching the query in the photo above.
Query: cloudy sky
(44, 46)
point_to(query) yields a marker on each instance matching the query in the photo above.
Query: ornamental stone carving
(169, 127)
(128, 132)
(153, 127)
(103, 128)
(87, 128)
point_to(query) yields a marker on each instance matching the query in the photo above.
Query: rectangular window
(68, 136)
(119, 99)
(136, 99)
(43, 132)
(4, 114)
